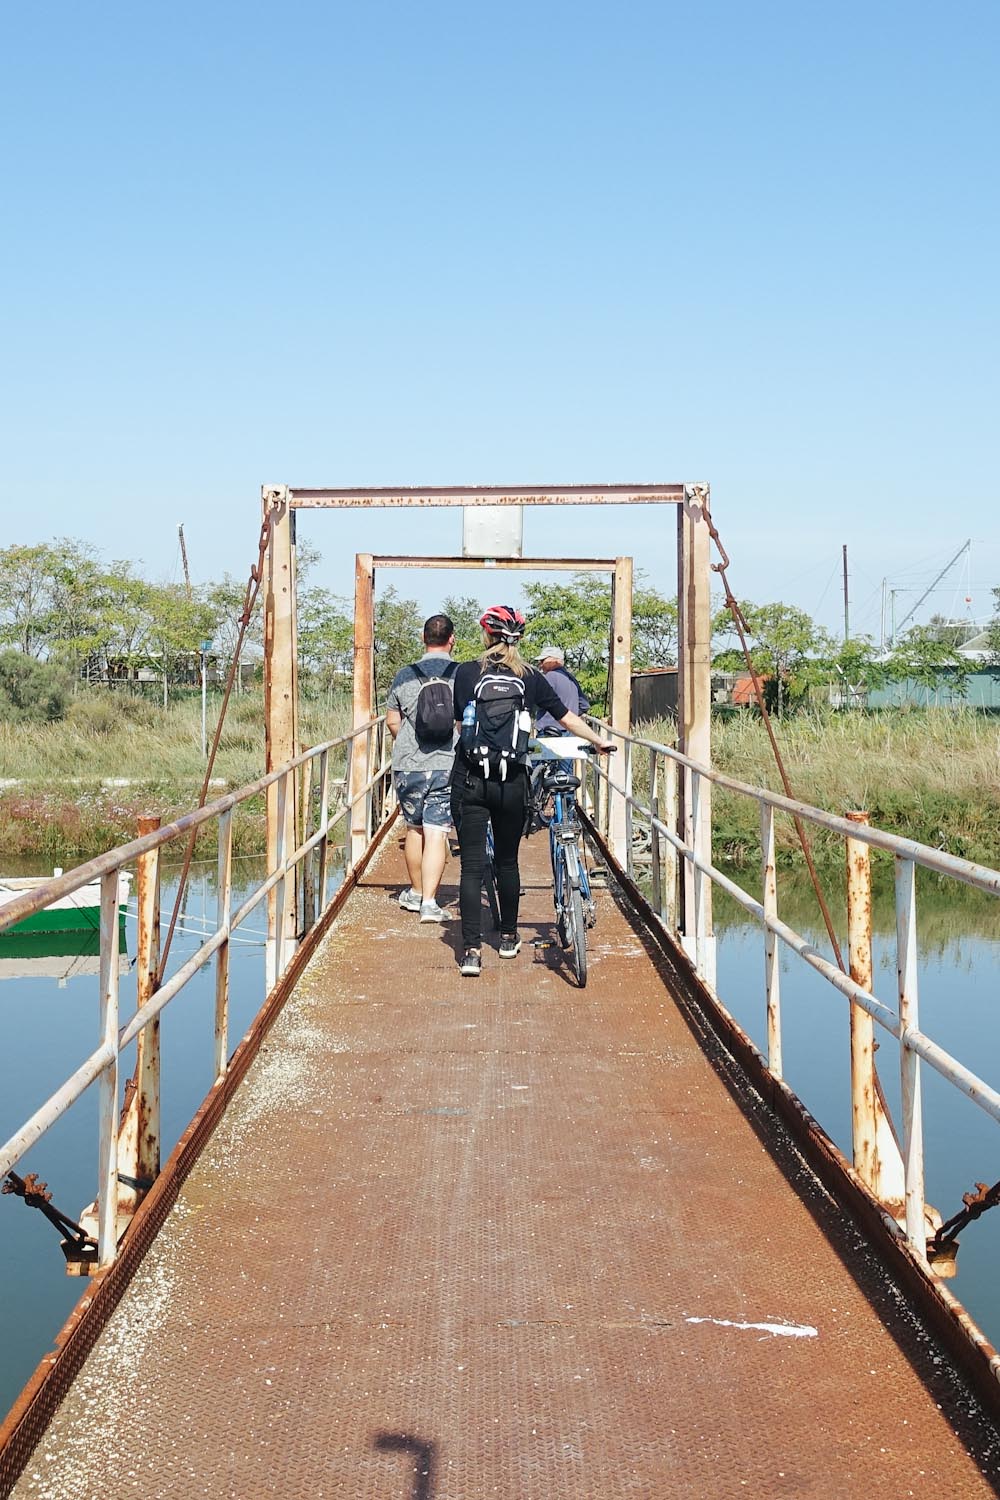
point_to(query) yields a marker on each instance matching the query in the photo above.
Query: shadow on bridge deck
(460, 1238)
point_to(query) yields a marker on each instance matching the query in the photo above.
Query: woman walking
(496, 698)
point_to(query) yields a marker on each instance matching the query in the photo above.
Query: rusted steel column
(307, 865)
(620, 696)
(864, 1122)
(655, 873)
(364, 697)
(224, 907)
(772, 978)
(694, 694)
(909, 1062)
(324, 827)
(280, 713)
(107, 1106)
(669, 855)
(139, 1131)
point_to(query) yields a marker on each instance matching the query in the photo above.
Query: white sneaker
(410, 900)
(431, 912)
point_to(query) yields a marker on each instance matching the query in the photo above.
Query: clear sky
(391, 243)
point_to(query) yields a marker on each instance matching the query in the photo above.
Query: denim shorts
(424, 798)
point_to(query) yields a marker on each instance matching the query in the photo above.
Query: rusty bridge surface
(458, 1238)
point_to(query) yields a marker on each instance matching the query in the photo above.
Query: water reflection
(958, 932)
(61, 956)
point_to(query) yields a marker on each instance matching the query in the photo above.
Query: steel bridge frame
(694, 635)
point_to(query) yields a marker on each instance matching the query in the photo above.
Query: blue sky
(385, 244)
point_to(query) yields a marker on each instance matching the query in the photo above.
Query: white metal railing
(681, 876)
(367, 741)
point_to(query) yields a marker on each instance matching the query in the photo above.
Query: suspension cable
(742, 630)
(249, 601)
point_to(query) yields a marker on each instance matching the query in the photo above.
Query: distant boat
(79, 912)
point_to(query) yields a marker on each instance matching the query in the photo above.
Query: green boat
(78, 912)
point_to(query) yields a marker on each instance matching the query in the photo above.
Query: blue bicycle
(574, 904)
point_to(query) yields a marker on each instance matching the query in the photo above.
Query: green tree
(993, 629)
(786, 647)
(858, 665)
(922, 657)
(464, 613)
(39, 601)
(178, 623)
(577, 616)
(325, 634)
(398, 638)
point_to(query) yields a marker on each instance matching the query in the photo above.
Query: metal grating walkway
(458, 1239)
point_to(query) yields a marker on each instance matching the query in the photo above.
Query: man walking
(552, 661)
(420, 716)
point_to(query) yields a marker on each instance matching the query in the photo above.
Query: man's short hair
(438, 630)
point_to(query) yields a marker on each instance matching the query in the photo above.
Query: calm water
(48, 1025)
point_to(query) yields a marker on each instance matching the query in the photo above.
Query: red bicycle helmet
(505, 621)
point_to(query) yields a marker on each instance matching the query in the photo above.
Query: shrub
(31, 691)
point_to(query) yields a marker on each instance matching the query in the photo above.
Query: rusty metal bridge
(433, 1237)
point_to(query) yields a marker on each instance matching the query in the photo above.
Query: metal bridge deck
(504, 1238)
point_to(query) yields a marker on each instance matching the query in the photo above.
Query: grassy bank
(932, 775)
(82, 783)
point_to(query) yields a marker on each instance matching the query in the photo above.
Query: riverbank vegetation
(928, 774)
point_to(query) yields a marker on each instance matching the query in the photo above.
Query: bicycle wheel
(577, 924)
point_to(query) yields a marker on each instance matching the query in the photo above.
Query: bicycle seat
(561, 781)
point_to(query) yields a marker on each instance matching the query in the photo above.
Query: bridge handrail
(914, 1044)
(965, 870)
(102, 1062)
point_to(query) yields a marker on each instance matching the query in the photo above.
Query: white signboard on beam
(492, 530)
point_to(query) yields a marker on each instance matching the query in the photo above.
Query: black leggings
(474, 803)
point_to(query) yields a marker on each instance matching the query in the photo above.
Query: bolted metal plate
(459, 1238)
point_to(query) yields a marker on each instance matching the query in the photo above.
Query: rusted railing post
(107, 1107)
(308, 864)
(280, 890)
(655, 876)
(224, 906)
(772, 979)
(864, 1122)
(324, 828)
(139, 1131)
(669, 855)
(909, 1062)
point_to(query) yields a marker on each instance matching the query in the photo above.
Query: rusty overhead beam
(486, 494)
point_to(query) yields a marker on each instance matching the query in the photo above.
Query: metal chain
(976, 1204)
(742, 630)
(249, 600)
(36, 1195)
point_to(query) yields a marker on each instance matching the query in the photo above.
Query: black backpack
(434, 711)
(502, 725)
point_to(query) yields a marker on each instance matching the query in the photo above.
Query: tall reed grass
(930, 774)
(81, 783)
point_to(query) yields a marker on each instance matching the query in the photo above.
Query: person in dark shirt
(552, 662)
(478, 799)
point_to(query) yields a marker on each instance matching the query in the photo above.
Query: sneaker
(410, 900)
(431, 912)
(510, 944)
(472, 963)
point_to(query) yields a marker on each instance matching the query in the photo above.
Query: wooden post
(620, 693)
(280, 714)
(364, 696)
(694, 697)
